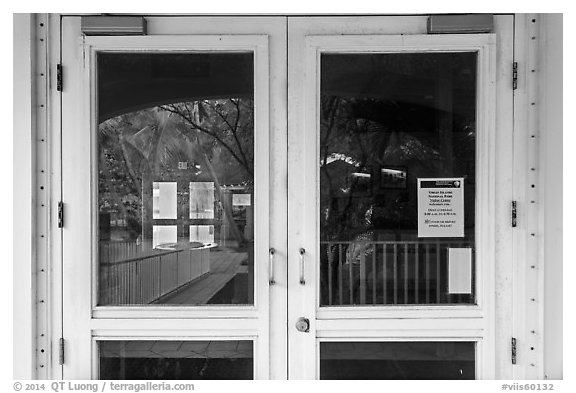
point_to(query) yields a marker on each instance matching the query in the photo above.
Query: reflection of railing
(388, 272)
(145, 275)
(115, 251)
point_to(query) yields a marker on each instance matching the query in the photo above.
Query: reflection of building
(392, 178)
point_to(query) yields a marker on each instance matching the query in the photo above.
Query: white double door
(241, 198)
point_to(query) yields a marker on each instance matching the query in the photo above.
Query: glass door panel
(175, 178)
(166, 360)
(387, 121)
(397, 360)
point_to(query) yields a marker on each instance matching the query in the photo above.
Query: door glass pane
(397, 178)
(176, 360)
(397, 360)
(175, 148)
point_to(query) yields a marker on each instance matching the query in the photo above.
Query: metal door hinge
(513, 350)
(61, 352)
(514, 214)
(514, 76)
(60, 214)
(58, 77)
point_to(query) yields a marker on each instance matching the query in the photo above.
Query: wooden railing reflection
(387, 272)
(138, 274)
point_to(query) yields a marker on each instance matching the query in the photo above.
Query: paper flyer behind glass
(441, 207)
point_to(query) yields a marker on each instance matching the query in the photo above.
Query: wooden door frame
(83, 322)
(307, 37)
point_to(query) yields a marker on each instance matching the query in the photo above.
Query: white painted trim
(537, 187)
(54, 262)
(75, 149)
(144, 312)
(24, 314)
(378, 324)
(503, 293)
(520, 166)
(196, 331)
(550, 179)
(214, 324)
(406, 335)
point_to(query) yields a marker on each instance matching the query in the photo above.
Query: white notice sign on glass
(164, 200)
(441, 207)
(240, 199)
(460, 270)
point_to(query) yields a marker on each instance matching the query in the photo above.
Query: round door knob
(303, 325)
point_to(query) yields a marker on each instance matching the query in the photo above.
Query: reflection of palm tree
(221, 120)
(150, 165)
(225, 206)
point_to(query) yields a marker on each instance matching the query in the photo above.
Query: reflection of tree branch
(233, 128)
(237, 105)
(173, 109)
(220, 114)
(188, 110)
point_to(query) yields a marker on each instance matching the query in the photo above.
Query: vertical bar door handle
(271, 280)
(302, 252)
